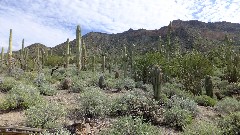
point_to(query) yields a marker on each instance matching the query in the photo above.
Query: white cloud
(51, 22)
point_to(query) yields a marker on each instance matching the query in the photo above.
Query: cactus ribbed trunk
(125, 62)
(2, 56)
(209, 86)
(67, 54)
(93, 64)
(103, 62)
(10, 52)
(157, 82)
(79, 47)
(84, 56)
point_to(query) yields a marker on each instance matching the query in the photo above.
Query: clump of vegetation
(202, 128)
(45, 115)
(205, 100)
(177, 117)
(230, 124)
(47, 89)
(21, 96)
(94, 103)
(228, 105)
(129, 125)
(7, 84)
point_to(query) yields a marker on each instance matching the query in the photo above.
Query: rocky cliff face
(187, 34)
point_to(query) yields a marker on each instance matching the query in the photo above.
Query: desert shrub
(17, 73)
(137, 103)
(47, 115)
(61, 131)
(94, 103)
(177, 117)
(183, 103)
(130, 126)
(202, 128)
(21, 96)
(39, 80)
(230, 124)
(125, 83)
(205, 100)
(175, 89)
(78, 85)
(7, 84)
(228, 105)
(53, 61)
(192, 68)
(47, 89)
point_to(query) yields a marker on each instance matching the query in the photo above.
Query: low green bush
(47, 89)
(228, 105)
(45, 115)
(94, 103)
(183, 103)
(230, 124)
(125, 83)
(177, 117)
(205, 100)
(130, 126)
(21, 96)
(7, 84)
(202, 128)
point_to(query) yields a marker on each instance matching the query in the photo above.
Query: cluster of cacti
(157, 82)
(209, 86)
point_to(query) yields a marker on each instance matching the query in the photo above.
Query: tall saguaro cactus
(125, 64)
(93, 64)
(2, 56)
(79, 47)
(10, 52)
(67, 53)
(157, 82)
(103, 62)
(84, 56)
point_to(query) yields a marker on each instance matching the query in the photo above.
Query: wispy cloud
(51, 22)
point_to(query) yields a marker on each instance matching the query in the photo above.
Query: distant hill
(188, 34)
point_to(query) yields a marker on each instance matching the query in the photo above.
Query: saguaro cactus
(209, 86)
(103, 62)
(84, 55)
(10, 52)
(2, 56)
(93, 64)
(67, 53)
(125, 64)
(79, 47)
(157, 82)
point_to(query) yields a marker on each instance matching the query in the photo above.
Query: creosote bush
(228, 105)
(47, 89)
(21, 96)
(94, 103)
(230, 124)
(7, 84)
(45, 115)
(202, 128)
(131, 126)
(205, 100)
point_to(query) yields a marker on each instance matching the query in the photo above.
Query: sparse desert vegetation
(166, 91)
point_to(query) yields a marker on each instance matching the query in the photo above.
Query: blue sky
(51, 22)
